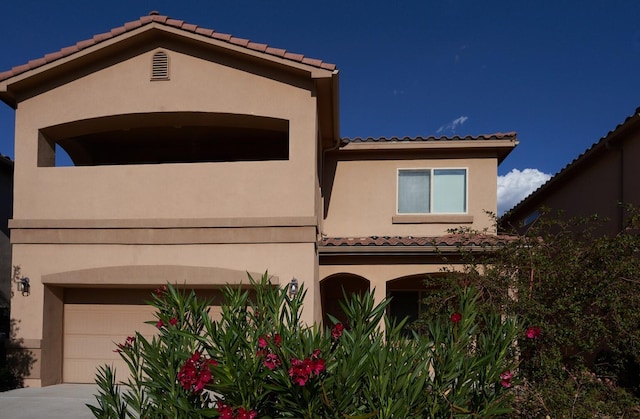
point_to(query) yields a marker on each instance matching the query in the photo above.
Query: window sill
(432, 219)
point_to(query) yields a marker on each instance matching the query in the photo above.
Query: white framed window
(432, 191)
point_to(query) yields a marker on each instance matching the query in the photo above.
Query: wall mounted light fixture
(22, 282)
(23, 286)
(293, 287)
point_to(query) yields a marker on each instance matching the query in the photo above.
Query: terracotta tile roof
(509, 136)
(155, 17)
(594, 150)
(449, 240)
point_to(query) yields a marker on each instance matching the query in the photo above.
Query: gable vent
(160, 66)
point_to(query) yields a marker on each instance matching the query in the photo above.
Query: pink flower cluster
(533, 332)
(271, 360)
(173, 321)
(506, 379)
(128, 344)
(195, 373)
(302, 370)
(337, 330)
(227, 412)
(161, 292)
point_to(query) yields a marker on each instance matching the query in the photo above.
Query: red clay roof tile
(165, 20)
(239, 41)
(205, 32)
(496, 136)
(257, 47)
(450, 240)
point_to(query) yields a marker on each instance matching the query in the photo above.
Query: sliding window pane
(450, 191)
(413, 191)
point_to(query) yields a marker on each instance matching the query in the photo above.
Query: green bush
(260, 361)
(578, 291)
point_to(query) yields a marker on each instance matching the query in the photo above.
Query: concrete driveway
(60, 401)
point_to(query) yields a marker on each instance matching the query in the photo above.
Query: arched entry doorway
(407, 296)
(331, 292)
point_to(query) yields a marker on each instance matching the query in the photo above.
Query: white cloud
(517, 185)
(453, 125)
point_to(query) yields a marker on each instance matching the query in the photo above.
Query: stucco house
(198, 157)
(600, 181)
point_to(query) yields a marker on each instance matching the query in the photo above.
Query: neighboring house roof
(155, 17)
(596, 149)
(411, 244)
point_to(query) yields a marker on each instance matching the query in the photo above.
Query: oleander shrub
(260, 361)
(578, 293)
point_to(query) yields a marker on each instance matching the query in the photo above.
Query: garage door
(91, 334)
(95, 320)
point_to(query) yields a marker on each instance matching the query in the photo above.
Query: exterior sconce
(22, 282)
(293, 287)
(23, 286)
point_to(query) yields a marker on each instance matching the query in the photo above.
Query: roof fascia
(501, 147)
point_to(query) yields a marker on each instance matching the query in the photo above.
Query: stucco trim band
(141, 275)
(225, 235)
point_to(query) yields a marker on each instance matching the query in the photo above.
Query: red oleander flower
(271, 361)
(506, 379)
(128, 344)
(263, 341)
(160, 292)
(456, 317)
(317, 366)
(534, 332)
(337, 330)
(246, 414)
(302, 370)
(173, 321)
(225, 411)
(195, 373)
(160, 324)
(315, 354)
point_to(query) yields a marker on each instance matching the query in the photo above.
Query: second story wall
(364, 194)
(206, 89)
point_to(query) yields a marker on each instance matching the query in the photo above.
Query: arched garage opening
(331, 292)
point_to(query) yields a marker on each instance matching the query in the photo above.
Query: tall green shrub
(260, 361)
(578, 294)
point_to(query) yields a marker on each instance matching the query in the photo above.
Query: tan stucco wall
(282, 260)
(236, 189)
(363, 198)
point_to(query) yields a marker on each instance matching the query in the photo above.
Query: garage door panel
(91, 332)
(85, 370)
(104, 319)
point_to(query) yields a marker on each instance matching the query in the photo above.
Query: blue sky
(560, 73)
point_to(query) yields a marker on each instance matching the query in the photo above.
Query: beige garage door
(95, 320)
(91, 334)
